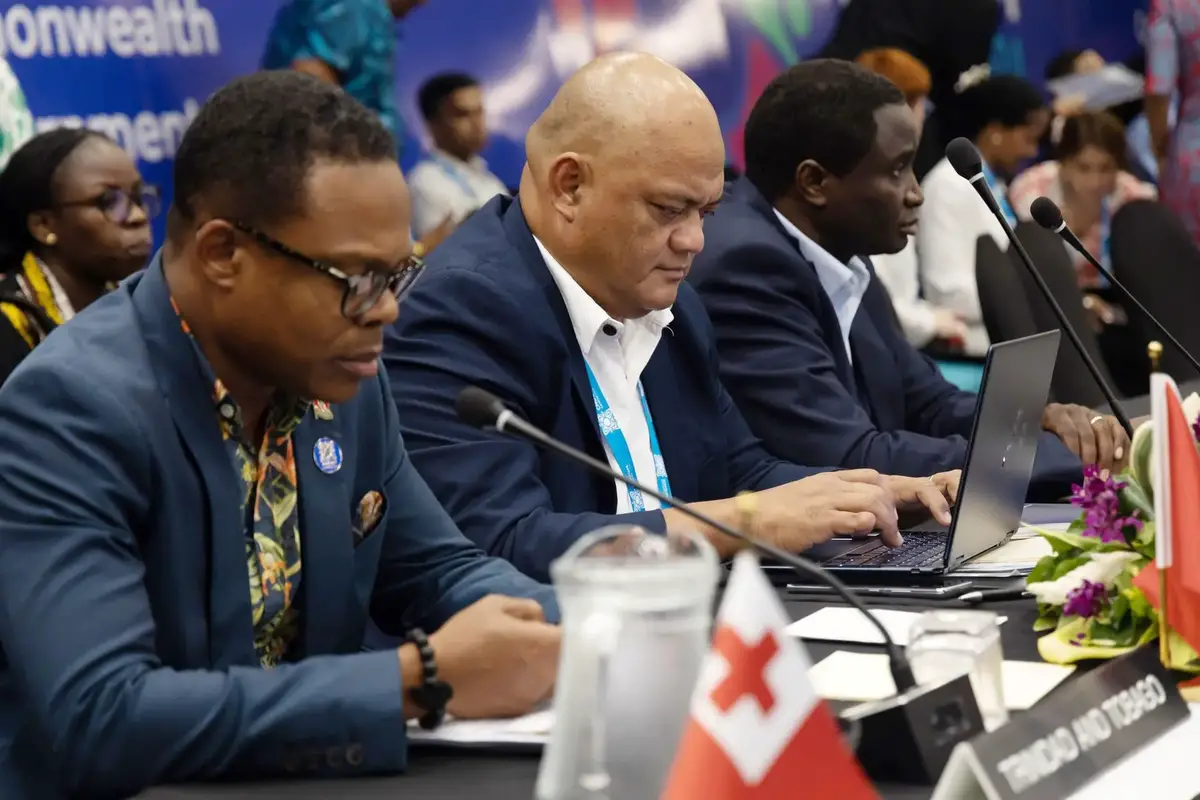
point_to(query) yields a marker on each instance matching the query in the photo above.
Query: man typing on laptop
(807, 343)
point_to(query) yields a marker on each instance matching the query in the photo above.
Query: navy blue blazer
(784, 361)
(488, 313)
(128, 656)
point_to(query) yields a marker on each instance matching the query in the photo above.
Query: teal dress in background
(357, 38)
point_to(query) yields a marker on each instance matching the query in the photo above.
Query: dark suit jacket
(488, 313)
(128, 656)
(784, 359)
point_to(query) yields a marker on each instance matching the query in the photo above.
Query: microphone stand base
(908, 738)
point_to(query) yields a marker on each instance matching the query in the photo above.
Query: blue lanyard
(611, 431)
(1000, 194)
(453, 174)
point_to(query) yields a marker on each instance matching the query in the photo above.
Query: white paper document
(865, 677)
(1026, 551)
(529, 730)
(844, 624)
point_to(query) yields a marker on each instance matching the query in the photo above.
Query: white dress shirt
(617, 352)
(444, 186)
(844, 284)
(900, 275)
(953, 219)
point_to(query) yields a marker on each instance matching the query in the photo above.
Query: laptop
(995, 479)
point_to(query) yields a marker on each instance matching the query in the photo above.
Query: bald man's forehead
(620, 96)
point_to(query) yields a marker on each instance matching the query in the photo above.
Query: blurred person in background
(455, 180)
(74, 219)
(352, 44)
(1067, 63)
(950, 37)
(349, 43)
(1075, 61)
(1088, 181)
(1004, 116)
(1172, 64)
(923, 323)
(16, 122)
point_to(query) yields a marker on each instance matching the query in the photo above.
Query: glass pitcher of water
(636, 617)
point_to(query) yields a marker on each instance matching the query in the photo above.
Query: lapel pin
(327, 454)
(321, 410)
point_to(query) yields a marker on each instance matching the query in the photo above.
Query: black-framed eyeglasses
(117, 204)
(363, 290)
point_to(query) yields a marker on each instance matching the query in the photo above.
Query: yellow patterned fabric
(270, 507)
(35, 286)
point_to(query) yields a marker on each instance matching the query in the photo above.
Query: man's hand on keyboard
(798, 515)
(935, 493)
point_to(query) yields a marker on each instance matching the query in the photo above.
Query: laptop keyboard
(919, 548)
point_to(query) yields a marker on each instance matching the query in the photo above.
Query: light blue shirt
(844, 284)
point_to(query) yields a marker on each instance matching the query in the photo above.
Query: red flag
(757, 728)
(1176, 513)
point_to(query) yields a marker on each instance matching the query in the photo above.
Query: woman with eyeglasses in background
(74, 219)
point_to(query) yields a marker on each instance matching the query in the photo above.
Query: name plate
(1086, 726)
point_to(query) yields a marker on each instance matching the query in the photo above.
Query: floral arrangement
(1087, 603)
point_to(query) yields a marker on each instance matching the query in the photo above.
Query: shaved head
(616, 101)
(621, 168)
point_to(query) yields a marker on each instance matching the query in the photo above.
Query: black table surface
(458, 774)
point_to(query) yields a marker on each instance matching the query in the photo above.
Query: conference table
(459, 774)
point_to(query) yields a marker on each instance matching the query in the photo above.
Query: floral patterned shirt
(270, 508)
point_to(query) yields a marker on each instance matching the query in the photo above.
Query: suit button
(354, 755)
(334, 758)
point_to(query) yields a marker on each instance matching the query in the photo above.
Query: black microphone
(967, 162)
(484, 410)
(907, 737)
(1047, 214)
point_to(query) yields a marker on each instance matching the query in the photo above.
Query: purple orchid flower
(1086, 600)
(1099, 498)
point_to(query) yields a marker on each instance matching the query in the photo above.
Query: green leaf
(1076, 540)
(1118, 611)
(1068, 564)
(1077, 526)
(1104, 635)
(1062, 548)
(1139, 606)
(1134, 497)
(1045, 623)
(1042, 570)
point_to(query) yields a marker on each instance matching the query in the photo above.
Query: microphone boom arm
(1114, 405)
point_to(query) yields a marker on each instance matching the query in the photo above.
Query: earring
(51, 239)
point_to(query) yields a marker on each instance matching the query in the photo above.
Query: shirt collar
(476, 163)
(587, 317)
(829, 269)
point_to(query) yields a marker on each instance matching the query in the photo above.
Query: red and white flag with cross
(757, 728)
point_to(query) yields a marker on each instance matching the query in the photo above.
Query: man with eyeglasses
(206, 494)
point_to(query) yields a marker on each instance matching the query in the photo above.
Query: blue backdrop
(139, 69)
